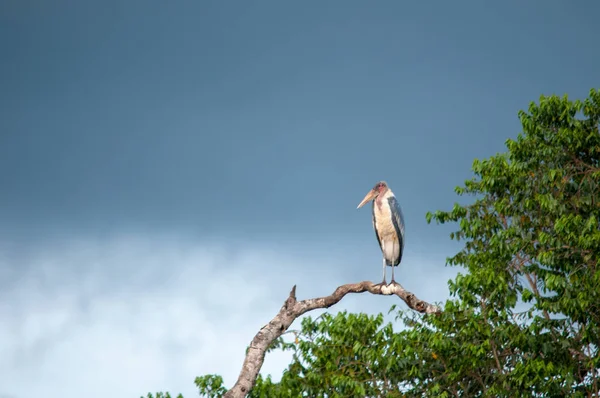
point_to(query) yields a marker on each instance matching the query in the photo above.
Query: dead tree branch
(293, 309)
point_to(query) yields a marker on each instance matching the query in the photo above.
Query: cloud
(128, 315)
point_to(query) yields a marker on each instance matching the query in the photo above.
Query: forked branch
(293, 309)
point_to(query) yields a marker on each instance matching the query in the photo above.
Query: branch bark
(292, 309)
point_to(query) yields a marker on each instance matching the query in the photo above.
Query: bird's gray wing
(398, 221)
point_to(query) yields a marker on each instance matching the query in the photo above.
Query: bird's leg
(383, 283)
(393, 281)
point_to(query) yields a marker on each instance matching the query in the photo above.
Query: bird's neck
(382, 197)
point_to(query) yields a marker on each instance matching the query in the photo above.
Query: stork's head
(379, 189)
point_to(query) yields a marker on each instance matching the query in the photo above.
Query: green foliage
(524, 314)
(161, 395)
(211, 386)
(531, 236)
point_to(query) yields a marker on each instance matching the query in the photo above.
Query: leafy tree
(524, 315)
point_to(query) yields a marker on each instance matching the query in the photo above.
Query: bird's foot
(382, 284)
(393, 282)
(385, 288)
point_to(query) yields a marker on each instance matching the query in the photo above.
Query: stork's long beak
(369, 197)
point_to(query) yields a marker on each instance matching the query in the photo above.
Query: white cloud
(128, 315)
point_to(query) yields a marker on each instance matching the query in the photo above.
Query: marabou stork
(388, 223)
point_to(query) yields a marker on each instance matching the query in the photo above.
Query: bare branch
(292, 309)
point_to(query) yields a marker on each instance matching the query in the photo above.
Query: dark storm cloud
(267, 117)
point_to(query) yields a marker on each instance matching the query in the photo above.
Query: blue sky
(154, 156)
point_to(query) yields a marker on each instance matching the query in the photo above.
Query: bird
(388, 223)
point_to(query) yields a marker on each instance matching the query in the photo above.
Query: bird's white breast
(384, 227)
(383, 218)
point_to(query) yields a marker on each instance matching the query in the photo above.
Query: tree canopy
(523, 317)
